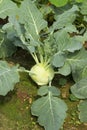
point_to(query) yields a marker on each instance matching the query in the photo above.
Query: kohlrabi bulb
(41, 74)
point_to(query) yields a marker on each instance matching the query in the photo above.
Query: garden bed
(43, 65)
(15, 107)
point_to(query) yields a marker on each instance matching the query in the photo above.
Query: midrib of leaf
(74, 60)
(33, 21)
(4, 72)
(78, 57)
(51, 107)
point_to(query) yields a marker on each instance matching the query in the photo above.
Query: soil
(15, 107)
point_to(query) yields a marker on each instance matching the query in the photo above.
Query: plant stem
(21, 70)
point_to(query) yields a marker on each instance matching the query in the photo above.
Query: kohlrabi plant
(56, 48)
(42, 73)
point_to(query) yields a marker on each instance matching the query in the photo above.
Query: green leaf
(8, 28)
(59, 3)
(81, 38)
(45, 10)
(83, 111)
(65, 69)
(79, 1)
(80, 73)
(77, 61)
(50, 47)
(44, 90)
(73, 45)
(14, 26)
(15, 32)
(70, 28)
(31, 17)
(62, 81)
(78, 58)
(66, 18)
(64, 43)
(84, 72)
(8, 77)
(73, 98)
(85, 18)
(54, 91)
(58, 59)
(84, 7)
(7, 49)
(51, 112)
(6, 46)
(80, 89)
(7, 8)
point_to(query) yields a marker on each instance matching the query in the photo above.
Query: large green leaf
(51, 112)
(83, 111)
(64, 43)
(31, 17)
(8, 77)
(15, 32)
(80, 89)
(59, 3)
(7, 8)
(77, 61)
(66, 18)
